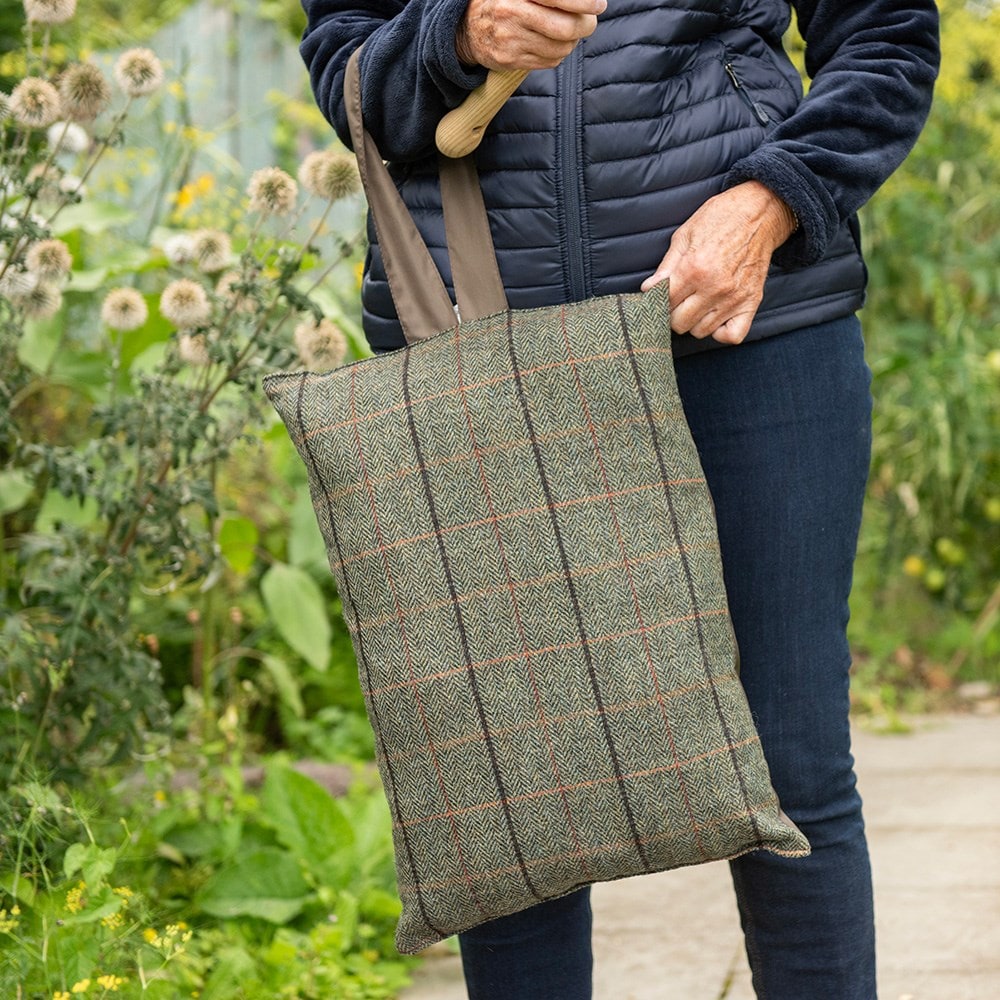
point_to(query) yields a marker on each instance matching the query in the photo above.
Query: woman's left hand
(718, 260)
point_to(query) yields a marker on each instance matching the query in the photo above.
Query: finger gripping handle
(461, 130)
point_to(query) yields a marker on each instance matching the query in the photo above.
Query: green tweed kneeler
(526, 552)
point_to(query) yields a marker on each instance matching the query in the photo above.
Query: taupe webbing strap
(422, 302)
(473, 258)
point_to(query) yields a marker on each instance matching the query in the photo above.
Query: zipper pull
(759, 113)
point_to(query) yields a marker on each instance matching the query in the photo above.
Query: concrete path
(932, 804)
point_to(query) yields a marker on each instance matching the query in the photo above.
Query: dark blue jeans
(783, 429)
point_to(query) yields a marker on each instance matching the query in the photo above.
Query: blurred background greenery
(167, 651)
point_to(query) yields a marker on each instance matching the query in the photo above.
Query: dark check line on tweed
(404, 636)
(511, 587)
(557, 720)
(613, 847)
(528, 582)
(360, 645)
(644, 396)
(526, 512)
(654, 674)
(463, 633)
(572, 589)
(434, 397)
(560, 789)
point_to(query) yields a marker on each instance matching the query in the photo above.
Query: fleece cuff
(782, 172)
(437, 51)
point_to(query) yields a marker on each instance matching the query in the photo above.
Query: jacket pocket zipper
(758, 111)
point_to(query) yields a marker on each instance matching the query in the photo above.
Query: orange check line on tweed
(457, 390)
(650, 662)
(543, 580)
(660, 416)
(407, 888)
(409, 658)
(512, 589)
(541, 793)
(523, 512)
(556, 720)
(541, 650)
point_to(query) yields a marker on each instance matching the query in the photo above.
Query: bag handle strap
(422, 302)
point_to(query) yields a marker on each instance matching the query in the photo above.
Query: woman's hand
(524, 34)
(718, 260)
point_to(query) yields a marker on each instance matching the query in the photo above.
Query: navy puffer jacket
(589, 168)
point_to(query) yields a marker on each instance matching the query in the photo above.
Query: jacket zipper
(571, 171)
(758, 111)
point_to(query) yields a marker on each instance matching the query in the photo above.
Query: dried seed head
(193, 349)
(42, 302)
(321, 346)
(329, 175)
(185, 303)
(34, 103)
(49, 259)
(85, 92)
(49, 11)
(179, 249)
(124, 309)
(139, 72)
(68, 137)
(235, 299)
(272, 191)
(17, 282)
(211, 250)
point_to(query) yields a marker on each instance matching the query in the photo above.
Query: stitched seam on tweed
(624, 706)
(488, 493)
(541, 793)
(687, 568)
(463, 636)
(616, 846)
(598, 454)
(363, 660)
(496, 449)
(535, 581)
(584, 643)
(526, 512)
(409, 664)
(448, 393)
(571, 587)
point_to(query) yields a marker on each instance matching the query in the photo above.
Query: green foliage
(213, 891)
(129, 383)
(933, 239)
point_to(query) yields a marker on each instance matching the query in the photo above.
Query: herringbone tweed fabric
(526, 551)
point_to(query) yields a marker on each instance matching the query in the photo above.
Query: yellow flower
(60, 995)
(150, 936)
(113, 921)
(74, 898)
(80, 987)
(124, 891)
(160, 796)
(914, 566)
(9, 924)
(111, 983)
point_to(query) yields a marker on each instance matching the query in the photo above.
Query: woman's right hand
(524, 34)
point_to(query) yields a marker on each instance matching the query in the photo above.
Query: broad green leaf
(94, 863)
(40, 342)
(16, 487)
(22, 890)
(305, 543)
(286, 685)
(232, 970)
(238, 538)
(298, 609)
(59, 509)
(308, 821)
(266, 883)
(92, 217)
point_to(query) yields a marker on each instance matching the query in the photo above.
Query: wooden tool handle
(461, 130)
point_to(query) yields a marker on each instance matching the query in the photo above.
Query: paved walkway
(932, 803)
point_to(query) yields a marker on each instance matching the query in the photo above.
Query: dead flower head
(49, 11)
(193, 349)
(185, 303)
(211, 250)
(85, 92)
(321, 345)
(124, 309)
(139, 72)
(272, 191)
(329, 175)
(34, 103)
(42, 302)
(49, 259)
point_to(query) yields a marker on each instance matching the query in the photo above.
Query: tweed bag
(526, 551)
